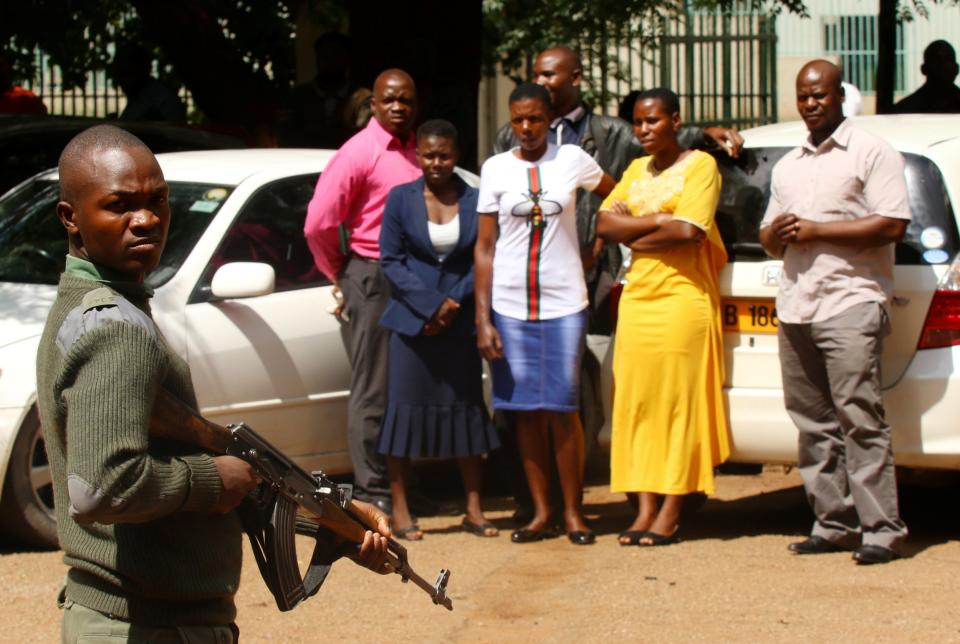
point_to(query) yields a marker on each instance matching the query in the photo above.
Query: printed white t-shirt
(537, 274)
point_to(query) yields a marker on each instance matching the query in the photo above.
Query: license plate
(749, 316)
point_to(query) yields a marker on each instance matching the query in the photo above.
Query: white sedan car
(237, 295)
(921, 358)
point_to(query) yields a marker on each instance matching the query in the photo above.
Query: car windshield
(33, 243)
(931, 237)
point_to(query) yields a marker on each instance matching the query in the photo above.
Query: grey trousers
(366, 292)
(82, 625)
(831, 385)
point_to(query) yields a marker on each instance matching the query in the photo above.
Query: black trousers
(366, 292)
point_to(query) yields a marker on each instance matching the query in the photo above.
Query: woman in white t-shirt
(531, 301)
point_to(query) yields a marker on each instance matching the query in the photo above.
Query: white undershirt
(444, 237)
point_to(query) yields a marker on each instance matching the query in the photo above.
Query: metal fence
(98, 97)
(722, 64)
(853, 39)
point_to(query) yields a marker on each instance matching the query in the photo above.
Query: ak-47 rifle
(272, 520)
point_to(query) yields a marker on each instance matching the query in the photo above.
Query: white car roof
(230, 167)
(905, 132)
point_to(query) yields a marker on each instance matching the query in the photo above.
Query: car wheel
(26, 509)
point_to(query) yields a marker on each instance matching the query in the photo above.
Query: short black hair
(440, 128)
(98, 137)
(666, 96)
(625, 109)
(937, 49)
(525, 91)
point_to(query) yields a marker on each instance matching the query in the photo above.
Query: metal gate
(97, 97)
(722, 64)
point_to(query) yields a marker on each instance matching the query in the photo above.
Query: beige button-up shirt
(850, 175)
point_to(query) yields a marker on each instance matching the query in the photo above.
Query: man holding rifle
(147, 526)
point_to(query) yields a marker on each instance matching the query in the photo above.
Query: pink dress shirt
(352, 191)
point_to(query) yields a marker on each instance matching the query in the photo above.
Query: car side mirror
(242, 279)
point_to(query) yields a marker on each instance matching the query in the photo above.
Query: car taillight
(942, 327)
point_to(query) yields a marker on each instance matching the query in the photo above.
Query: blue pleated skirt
(435, 401)
(540, 368)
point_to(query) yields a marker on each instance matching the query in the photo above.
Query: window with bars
(853, 39)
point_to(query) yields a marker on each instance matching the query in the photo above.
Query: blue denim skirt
(540, 368)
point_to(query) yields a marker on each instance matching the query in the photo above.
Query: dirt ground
(731, 578)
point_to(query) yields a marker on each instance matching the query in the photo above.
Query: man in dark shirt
(325, 112)
(938, 94)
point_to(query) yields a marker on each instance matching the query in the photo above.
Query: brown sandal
(408, 533)
(479, 529)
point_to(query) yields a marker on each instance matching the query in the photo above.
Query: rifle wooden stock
(173, 420)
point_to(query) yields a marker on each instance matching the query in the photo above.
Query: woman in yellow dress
(669, 424)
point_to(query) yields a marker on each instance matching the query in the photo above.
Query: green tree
(235, 56)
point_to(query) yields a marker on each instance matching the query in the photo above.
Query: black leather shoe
(815, 546)
(868, 554)
(582, 537)
(525, 535)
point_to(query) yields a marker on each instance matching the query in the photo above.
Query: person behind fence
(838, 204)
(669, 425)
(148, 99)
(532, 301)
(323, 113)
(148, 528)
(939, 93)
(435, 403)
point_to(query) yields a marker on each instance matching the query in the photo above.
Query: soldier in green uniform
(148, 527)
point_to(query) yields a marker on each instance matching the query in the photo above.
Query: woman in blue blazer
(435, 401)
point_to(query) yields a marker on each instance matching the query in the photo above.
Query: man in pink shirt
(351, 192)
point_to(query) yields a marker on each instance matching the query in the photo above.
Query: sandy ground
(730, 578)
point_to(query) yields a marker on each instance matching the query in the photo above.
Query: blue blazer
(419, 281)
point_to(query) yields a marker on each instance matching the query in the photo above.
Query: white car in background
(921, 357)
(237, 295)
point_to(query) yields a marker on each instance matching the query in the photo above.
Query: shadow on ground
(928, 510)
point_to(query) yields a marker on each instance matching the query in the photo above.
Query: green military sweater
(132, 512)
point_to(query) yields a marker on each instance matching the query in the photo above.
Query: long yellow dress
(669, 423)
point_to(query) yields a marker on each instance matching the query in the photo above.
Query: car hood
(23, 310)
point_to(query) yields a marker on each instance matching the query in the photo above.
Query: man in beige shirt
(838, 205)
